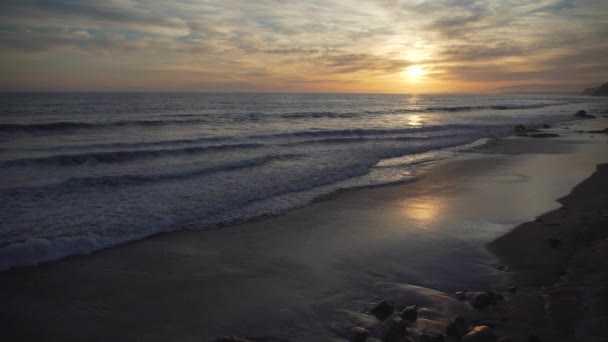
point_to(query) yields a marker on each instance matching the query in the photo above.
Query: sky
(375, 46)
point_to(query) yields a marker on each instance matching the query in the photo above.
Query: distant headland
(601, 91)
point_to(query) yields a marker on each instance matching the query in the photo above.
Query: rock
(538, 219)
(604, 131)
(505, 339)
(534, 338)
(545, 135)
(533, 130)
(480, 333)
(430, 336)
(583, 115)
(382, 310)
(457, 327)
(460, 295)
(358, 334)
(512, 289)
(494, 297)
(410, 313)
(546, 126)
(589, 91)
(231, 339)
(407, 339)
(479, 300)
(555, 243)
(519, 129)
(503, 268)
(395, 330)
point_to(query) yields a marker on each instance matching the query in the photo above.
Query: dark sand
(311, 275)
(560, 264)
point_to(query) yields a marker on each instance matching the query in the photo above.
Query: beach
(315, 272)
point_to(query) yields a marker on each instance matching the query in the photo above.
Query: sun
(414, 72)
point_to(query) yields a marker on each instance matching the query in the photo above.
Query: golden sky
(387, 46)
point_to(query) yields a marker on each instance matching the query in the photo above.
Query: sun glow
(414, 72)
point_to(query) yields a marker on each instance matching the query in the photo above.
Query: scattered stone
(457, 327)
(231, 339)
(583, 115)
(503, 268)
(480, 333)
(358, 334)
(546, 126)
(410, 313)
(494, 297)
(545, 135)
(395, 330)
(538, 219)
(382, 310)
(512, 289)
(430, 336)
(555, 243)
(604, 131)
(519, 129)
(479, 300)
(534, 338)
(460, 295)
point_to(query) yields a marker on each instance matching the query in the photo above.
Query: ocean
(84, 171)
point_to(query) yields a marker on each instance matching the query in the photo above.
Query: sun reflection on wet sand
(427, 210)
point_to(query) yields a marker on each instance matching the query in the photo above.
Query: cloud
(314, 42)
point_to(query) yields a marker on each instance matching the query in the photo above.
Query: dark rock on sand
(502, 268)
(545, 135)
(603, 131)
(358, 334)
(430, 336)
(480, 333)
(410, 313)
(382, 310)
(460, 295)
(457, 327)
(479, 300)
(231, 339)
(512, 289)
(555, 243)
(494, 297)
(395, 330)
(583, 115)
(546, 126)
(519, 129)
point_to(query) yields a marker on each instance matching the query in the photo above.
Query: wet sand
(312, 274)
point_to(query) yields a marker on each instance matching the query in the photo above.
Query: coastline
(297, 264)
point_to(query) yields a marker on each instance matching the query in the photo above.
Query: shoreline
(303, 264)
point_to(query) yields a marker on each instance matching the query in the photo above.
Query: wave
(69, 125)
(120, 156)
(374, 132)
(493, 107)
(79, 183)
(62, 126)
(358, 139)
(334, 115)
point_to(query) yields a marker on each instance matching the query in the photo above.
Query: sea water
(85, 171)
